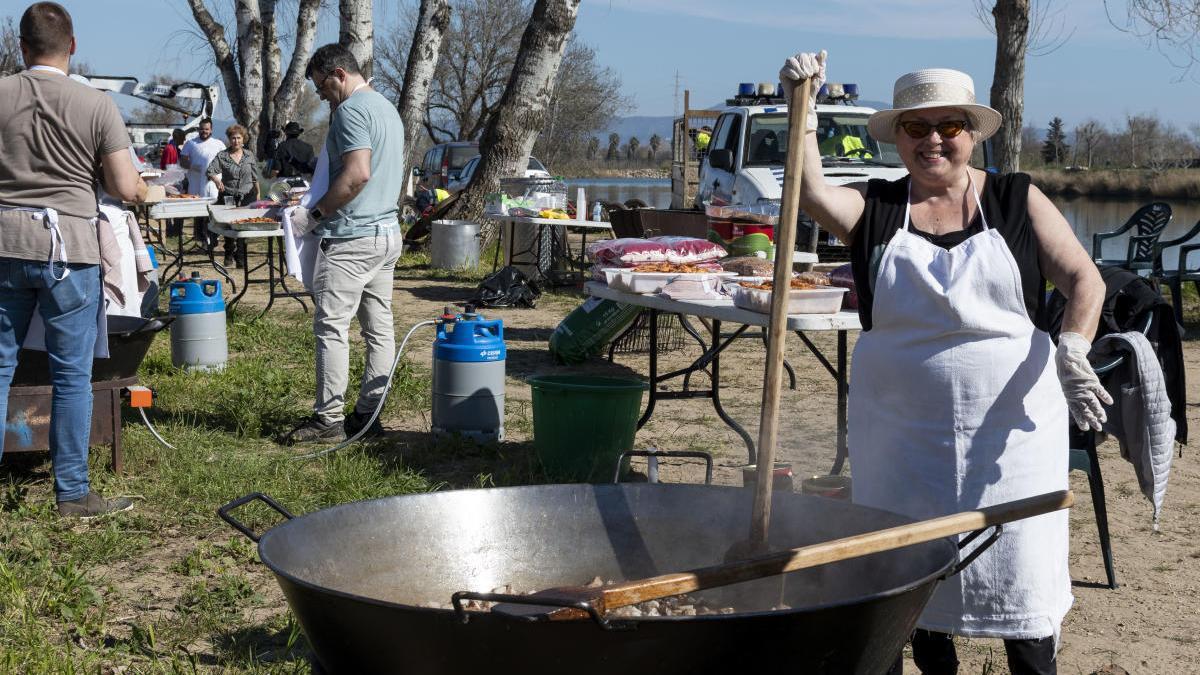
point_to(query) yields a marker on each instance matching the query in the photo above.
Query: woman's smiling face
(935, 155)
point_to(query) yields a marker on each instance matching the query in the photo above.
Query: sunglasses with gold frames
(917, 129)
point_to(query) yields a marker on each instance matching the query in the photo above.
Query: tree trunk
(222, 54)
(261, 97)
(355, 32)
(521, 113)
(288, 93)
(271, 75)
(1008, 82)
(433, 22)
(250, 48)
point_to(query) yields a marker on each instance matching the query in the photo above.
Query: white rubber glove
(1079, 382)
(300, 219)
(804, 66)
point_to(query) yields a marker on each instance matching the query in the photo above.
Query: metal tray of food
(817, 300)
(246, 218)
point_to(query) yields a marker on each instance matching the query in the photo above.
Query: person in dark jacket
(293, 158)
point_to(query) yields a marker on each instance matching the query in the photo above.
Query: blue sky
(1099, 73)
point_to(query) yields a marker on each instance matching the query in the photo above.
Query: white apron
(955, 405)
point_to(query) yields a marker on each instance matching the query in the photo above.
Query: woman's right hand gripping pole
(805, 66)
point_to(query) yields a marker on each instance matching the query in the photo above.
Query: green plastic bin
(582, 423)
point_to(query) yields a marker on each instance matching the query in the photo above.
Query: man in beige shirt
(58, 139)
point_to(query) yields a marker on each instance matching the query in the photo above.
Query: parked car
(535, 169)
(443, 162)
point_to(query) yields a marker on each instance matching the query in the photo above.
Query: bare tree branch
(222, 54)
(1047, 26)
(1171, 26)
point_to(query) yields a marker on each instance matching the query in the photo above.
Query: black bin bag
(506, 287)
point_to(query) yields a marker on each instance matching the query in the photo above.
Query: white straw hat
(934, 88)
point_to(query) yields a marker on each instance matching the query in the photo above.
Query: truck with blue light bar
(743, 163)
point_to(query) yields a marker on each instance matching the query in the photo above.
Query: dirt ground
(1147, 625)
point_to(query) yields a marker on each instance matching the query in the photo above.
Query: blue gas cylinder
(198, 340)
(468, 377)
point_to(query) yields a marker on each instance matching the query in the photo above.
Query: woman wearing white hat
(958, 400)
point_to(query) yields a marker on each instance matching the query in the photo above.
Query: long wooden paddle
(607, 598)
(785, 243)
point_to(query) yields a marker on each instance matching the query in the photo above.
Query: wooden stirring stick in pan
(604, 599)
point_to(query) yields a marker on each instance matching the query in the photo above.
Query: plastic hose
(153, 430)
(378, 407)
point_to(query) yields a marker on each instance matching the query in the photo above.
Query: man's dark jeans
(68, 308)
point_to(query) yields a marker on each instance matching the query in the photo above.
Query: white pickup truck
(745, 158)
(743, 163)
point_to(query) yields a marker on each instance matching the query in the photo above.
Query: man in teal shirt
(360, 241)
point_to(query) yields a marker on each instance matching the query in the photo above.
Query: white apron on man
(955, 405)
(300, 250)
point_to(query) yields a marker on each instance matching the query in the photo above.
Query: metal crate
(636, 338)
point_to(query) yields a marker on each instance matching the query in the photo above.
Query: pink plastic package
(690, 249)
(626, 252)
(629, 251)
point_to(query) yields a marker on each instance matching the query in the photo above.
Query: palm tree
(634, 144)
(614, 145)
(593, 146)
(655, 144)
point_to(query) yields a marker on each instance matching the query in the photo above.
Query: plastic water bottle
(597, 211)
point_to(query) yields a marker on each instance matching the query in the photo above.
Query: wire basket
(636, 338)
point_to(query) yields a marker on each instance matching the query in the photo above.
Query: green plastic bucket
(582, 423)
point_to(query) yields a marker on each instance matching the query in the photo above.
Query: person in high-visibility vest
(439, 194)
(843, 144)
(702, 138)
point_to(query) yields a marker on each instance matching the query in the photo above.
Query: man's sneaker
(357, 420)
(93, 505)
(312, 430)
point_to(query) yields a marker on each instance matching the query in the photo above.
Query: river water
(1087, 215)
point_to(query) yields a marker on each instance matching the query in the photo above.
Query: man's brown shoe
(92, 506)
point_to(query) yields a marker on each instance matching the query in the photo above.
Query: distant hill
(645, 126)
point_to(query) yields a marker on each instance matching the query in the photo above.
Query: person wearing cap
(703, 138)
(960, 398)
(293, 157)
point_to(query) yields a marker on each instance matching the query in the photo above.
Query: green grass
(168, 587)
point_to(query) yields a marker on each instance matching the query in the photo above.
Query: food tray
(651, 282)
(172, 205)
(224, 216)
(827, 300)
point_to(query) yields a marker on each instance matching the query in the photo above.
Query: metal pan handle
(987, 543)
(696, 454)
(528, 600)
(225, 514)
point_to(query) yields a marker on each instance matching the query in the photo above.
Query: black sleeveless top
(1005, 202)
